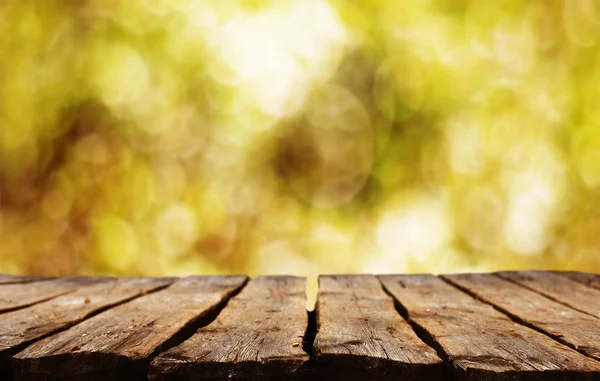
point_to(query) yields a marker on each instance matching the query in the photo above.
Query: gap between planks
(24, 327)
(565, 334)
(19, 295)
(444, 317)
(579, 296)
(259, 335)
(12, 279)
(419, 331)
(592, 280)
(119, 343)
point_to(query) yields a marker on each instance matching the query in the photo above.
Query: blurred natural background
(303, 136)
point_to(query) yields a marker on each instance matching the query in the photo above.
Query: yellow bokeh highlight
(176, 137)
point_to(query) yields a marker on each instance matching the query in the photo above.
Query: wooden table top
(530, 325)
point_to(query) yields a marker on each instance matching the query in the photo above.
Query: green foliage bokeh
(180, 136)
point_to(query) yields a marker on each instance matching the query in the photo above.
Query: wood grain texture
(22, 327)
(258, 336)
(562, 289)
(11, 279)
(479, 342)
(119, 343)
(361, 336)
(14, 296)
(571, 327)
(592, 280)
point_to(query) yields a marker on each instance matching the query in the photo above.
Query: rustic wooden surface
(118, 343)
(258, 336)
(559, 288)
(360, 333)
(19, 295)
(592, 280)
(576, 329)
(22, 327)
(517, 326)
(9, 279)
(480, 343)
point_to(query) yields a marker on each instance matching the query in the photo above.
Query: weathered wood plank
(10, 279)
(562, 323)
(258, 336)
(14, 296)
(592, 280)
(479, 342)
(22, 327)
(361, 336)
(119, 343)
(562, 289)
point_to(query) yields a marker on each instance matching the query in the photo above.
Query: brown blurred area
(172, 137)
